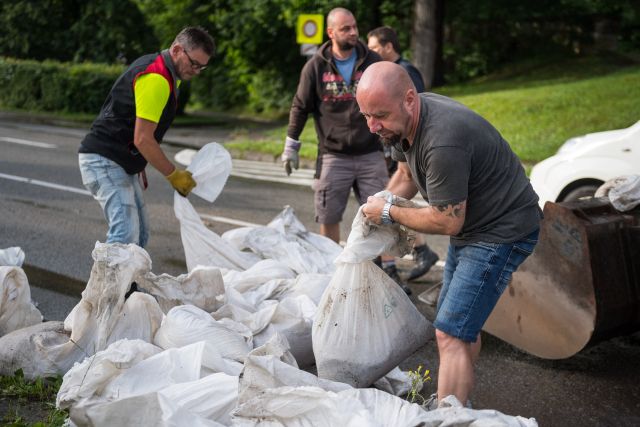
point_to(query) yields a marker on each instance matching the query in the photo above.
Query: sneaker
(392, 272)
(424, 258)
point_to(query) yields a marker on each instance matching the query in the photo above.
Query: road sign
(310, 29)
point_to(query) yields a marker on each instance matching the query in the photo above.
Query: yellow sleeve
(151, 92)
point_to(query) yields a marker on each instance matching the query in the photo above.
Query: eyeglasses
(194, 64)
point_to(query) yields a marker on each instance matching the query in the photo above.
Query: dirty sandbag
(16, 309)
(187, 324)
(293, 319)
(365, 324)
(96, 317)
(27, 349)
(270, 366)
(398, 382)
(312, 406)
(623, 192)
(199, 287)
(13, 256)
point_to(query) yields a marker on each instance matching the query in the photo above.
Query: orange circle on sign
(310, 28)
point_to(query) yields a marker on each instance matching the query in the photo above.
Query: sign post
(309, 31)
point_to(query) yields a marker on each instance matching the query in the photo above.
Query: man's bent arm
(145, 142)
(447, 220)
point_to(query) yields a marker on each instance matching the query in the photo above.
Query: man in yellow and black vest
(126, 134)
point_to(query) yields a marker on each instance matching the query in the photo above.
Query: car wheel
(582, 192)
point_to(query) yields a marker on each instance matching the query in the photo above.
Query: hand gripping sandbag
(365, 324)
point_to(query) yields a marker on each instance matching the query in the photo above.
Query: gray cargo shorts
(365, 173)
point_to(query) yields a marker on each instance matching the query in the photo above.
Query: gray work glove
(290, 157)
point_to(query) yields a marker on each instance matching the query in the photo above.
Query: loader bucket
(581, 285)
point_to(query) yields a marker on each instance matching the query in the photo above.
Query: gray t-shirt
(457, 155)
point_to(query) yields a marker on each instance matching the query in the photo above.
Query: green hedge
(55, 86)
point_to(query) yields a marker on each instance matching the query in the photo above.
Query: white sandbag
(28, 349)
(16, 309)
(365, 324)
(256, 275)
(199, 288)
(293, 319)
(204, 247)
(236, 237)
(271, 366)
(255, 319)
(287, 240)
(131, 397)
(187, 324)
(13, 256)
(286, 222)
(210, 168)
(312, 285)
(82, 383)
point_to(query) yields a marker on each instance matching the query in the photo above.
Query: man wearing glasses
(126, 134)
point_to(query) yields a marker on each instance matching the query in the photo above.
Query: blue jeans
(475, 276)
(119, 195)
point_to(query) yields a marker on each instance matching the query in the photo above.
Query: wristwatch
(386, 214)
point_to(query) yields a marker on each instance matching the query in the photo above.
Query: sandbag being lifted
(365, 324)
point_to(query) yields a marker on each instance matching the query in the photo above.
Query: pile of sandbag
(224, 343)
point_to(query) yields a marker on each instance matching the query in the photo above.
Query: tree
(427, 40)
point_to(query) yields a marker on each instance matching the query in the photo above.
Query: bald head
(335, 15)
(388, 100)
(387, 78)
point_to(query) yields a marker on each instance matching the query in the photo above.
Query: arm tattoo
(453, 211)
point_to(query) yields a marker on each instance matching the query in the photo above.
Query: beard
(345, 45)
(394, 141)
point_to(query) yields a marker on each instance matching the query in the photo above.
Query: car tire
(582, 192)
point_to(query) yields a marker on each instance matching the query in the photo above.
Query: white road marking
(27, 142)
(88, 193)
(45, 184)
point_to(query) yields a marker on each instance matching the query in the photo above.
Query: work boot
(392, 272)
(424, 258)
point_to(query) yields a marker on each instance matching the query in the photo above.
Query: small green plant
(30, 399)
(418, 378)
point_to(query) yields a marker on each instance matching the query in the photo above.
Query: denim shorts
(366, 174)
(475, 276)
(119, 195)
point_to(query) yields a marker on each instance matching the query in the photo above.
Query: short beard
(395, 141)
(345, 45)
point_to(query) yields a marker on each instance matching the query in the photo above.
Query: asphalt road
(57, 227)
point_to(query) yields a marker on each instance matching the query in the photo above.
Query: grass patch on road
(30, 403)
(536, 105)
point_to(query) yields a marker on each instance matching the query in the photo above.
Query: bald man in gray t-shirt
(478, 194)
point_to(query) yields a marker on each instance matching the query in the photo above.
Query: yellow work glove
(181, 180)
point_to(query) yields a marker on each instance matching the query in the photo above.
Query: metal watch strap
(386, 214)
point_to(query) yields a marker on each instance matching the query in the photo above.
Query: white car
(585, 162)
